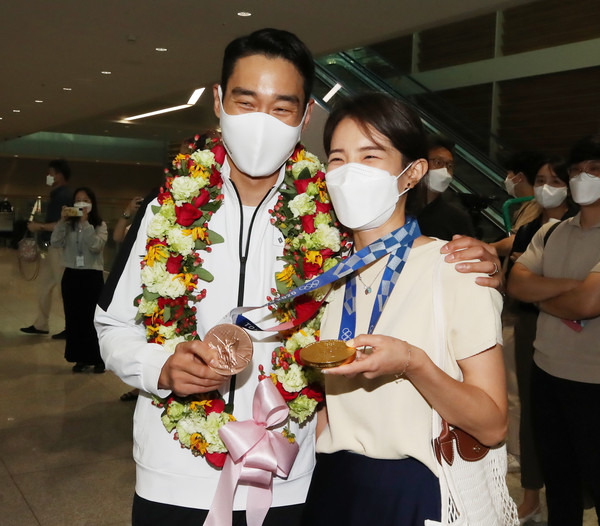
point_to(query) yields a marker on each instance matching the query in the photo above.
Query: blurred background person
(124, 222)
(521, 171)
(552, 195)
(51, 267)
(444, 215)
(82, 236)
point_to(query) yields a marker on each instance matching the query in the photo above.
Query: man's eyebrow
(243, 91)
(294, 99)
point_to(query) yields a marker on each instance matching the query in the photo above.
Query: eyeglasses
(590, 167)
(436, 163)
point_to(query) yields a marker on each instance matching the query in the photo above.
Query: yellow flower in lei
(156, 253)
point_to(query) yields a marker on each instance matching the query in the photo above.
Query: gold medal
(327, 353)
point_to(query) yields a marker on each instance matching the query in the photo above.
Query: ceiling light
(332, 92)
(244, 13)
(162, 49)
(0, 118)
(192, 100)
(106, 72)
(67, 89)
(16, 111)
(195, 96)
(38, 101)
(157, 112)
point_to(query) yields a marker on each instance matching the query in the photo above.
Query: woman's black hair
(94, 218)
(394, 120)
(558, 166)
(273, 43)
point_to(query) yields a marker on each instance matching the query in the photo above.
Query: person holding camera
(82, 234)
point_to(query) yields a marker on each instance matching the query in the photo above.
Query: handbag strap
(467, 446)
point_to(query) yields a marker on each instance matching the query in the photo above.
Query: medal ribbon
(399, 255)
(399, 242)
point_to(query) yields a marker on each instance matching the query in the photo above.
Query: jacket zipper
(243, 257)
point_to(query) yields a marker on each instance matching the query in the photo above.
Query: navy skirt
(349, 489)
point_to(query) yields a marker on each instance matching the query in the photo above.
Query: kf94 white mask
(363, 197)
(258, 143)
(509, 184)
(585, 188)
(550, 196)
(438, 180)
(49, 180)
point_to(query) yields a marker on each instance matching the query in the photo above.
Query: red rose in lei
(286, 396)
(306, 307)
(216, 406)
(308, 224)
(174, 264)
(324, 208)
(219, 152)
(215, 178)
(311, 269)
(311, 392)
(216, 459)
(187, 214)
(202, 199)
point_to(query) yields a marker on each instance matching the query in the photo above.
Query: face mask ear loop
(400, 175)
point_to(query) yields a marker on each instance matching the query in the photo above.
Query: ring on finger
(496, 270)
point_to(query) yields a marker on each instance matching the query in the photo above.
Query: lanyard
(399, 255)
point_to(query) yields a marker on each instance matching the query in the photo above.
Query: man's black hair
(585, 149)
(528, 163)
(273, 43)
(439, 141)
(61, 166)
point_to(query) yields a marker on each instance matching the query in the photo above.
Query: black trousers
(566, 419)
(148, 513)
(81, 289)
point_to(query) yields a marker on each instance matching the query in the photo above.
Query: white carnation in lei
(147, 307)
(327, 236)
(313, 168)
(159, 226)
(204, 158)
(302, 205)
(171, 288)
(184, 188)
(152, 275)
(292, 379)
(170, 344)
(179, 242)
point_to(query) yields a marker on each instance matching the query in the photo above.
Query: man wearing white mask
(263, 103)
(443, 216)
(51, 266)
(560, 272)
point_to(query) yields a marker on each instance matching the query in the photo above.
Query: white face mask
(509, 184)
(585, 188)
(364, 197)
(550, 196)
(49, 180)
(438, 180)
(258, 143)
(83, 205)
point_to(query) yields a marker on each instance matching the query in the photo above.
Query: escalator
(478, 178)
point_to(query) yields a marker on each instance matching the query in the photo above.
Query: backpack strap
(550, 230)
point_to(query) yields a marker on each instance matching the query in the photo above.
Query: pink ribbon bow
(256, 454)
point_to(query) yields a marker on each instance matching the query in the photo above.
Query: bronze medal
(233, 346)
(327, 353)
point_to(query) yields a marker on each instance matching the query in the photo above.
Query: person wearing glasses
(444, 215)
(560, 273)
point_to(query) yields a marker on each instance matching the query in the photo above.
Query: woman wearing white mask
(551, 193)
(376, 463)
(82, 234)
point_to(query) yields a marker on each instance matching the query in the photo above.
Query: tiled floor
(65, 439)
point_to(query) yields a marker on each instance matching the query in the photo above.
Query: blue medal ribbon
(399, 255)
(398, 242)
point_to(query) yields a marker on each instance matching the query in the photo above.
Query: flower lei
(172, 270)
